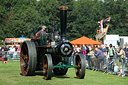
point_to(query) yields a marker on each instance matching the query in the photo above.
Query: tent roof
(85, 40)
(22, 37)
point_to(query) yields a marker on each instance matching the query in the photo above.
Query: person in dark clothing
(6, 50)
(87, 57)
(5, 59)
(126, 55)
(87, 50)
(2, 48)
(107, 48)
(126, 51)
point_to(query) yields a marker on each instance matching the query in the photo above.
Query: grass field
(10, 74)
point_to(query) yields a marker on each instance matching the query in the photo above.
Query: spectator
(121, 54)
(2, 48)
(71, 58)
(78, 49)
(104, 50)
(92, 57)
(121, 71)
(84, 50)
(116, 68)
(99, 58)
(126, 50)
(15, 53)
(88, 57)
(75, 49)
(12, 51)
(126, 54)
(5, 60)
(111, 52)
(6, 50)
(18, 49)
(115, 54)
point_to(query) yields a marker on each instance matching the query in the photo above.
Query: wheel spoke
(79, 66)
(25, 61)
(45, 66)
(26, 50)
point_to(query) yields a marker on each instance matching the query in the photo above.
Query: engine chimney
(63, 20)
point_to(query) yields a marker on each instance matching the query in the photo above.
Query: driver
(42, 31)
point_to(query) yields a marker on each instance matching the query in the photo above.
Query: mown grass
(10, 74)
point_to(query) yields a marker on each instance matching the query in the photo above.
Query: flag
(101, 25)
(107, 20)
(100, 21)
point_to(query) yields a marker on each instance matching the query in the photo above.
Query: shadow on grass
(78, 78)
(75, 77)
(40, 73)
(59, 76)
(21, 74)
(36, 73)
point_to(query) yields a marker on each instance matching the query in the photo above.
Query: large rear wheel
(80, 62)
(28, 58)
(47, 66)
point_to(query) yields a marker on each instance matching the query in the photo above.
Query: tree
(25, 17)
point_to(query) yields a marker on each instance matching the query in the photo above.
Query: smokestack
(63, 20)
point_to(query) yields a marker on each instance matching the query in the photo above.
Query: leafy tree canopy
(25, 17)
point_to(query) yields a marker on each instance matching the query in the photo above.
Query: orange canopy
(84, 40)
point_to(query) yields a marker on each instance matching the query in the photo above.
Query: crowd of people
(12, 51)
(104, 58)
(109, 59)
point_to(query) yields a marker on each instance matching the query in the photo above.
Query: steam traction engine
(38, 54)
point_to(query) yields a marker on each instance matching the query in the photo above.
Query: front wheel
(80, 62)
(47, 66)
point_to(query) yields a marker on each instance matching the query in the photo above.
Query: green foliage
(25, 17)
